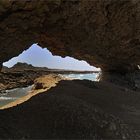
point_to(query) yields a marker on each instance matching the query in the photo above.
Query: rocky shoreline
(41, 84)
(23, 75)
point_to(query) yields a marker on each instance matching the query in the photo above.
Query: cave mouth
(20, 74)
(37, 56)
(42, 57)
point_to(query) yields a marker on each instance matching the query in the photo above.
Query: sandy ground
(73, 109)
(46, 81)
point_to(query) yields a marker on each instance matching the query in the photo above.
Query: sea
(11, 95)
(88, 76)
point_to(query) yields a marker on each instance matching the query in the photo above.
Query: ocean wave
(92, 77)
(8, 98)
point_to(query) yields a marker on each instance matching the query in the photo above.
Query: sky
(37, 56)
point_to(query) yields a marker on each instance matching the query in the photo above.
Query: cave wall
(105, 33)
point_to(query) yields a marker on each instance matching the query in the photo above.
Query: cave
(102, 39)
(106, 34)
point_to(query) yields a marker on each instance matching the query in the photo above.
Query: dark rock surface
(105, 33)
(10, 80)
(130, 80)
(20, 75)
(75, 110)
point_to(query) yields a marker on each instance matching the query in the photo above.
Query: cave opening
(37, 56)
(105, 33)
(42, 57)
(19, 74)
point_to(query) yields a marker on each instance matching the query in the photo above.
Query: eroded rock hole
(23, 70)
(36, 58)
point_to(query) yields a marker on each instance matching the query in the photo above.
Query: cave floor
(75, 109)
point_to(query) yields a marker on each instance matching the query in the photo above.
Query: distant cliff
(25, 66)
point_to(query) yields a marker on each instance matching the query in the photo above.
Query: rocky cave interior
(105, 33)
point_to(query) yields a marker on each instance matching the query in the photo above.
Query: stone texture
(75, 110)
(130, 80)
(105, 33)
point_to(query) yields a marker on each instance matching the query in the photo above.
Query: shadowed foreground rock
(75, 109)
(130, 80)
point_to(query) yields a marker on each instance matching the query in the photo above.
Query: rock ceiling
(105, 33)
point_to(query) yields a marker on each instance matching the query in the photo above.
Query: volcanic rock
(22, 66)
(104, 33)
(74, 110)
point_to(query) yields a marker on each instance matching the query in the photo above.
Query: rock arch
(104, 33)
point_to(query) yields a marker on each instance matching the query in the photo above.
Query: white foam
(8, 98)
(92, 77)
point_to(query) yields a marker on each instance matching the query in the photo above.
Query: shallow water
(11, 95)
(89, 76)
